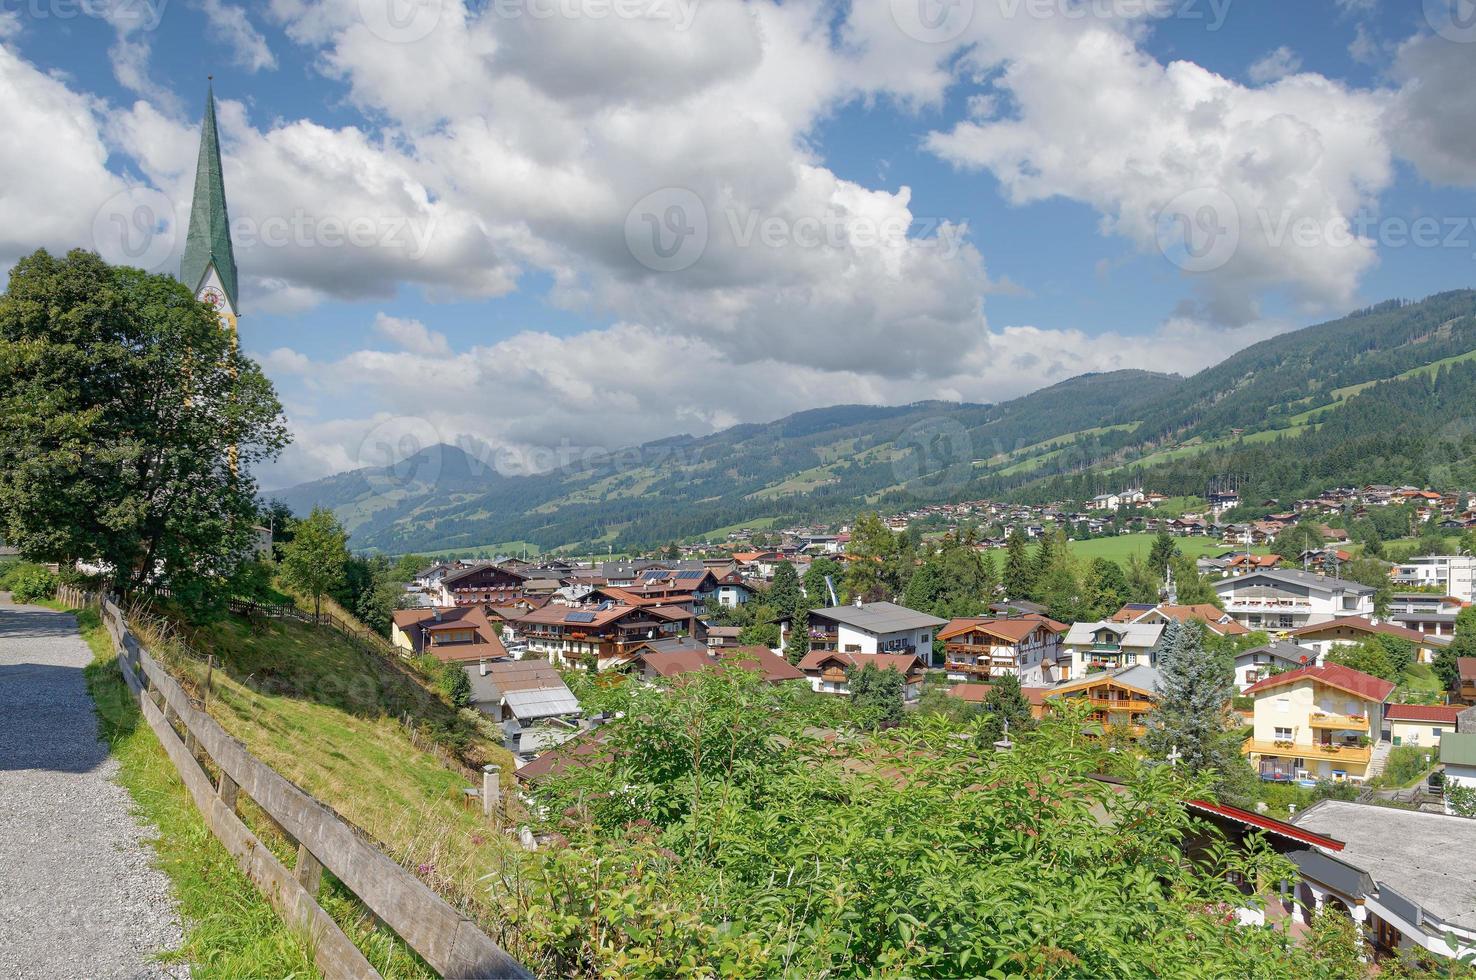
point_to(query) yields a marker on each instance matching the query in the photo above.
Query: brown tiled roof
(1334, 675)
(1014, 630)
(1361, 625)
(774, 667)
(1424, 712)
(524, 675)
(902, 663)
(1467, 666)
(418, 624)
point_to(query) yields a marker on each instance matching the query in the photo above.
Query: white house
(1258, 663)
(1453, 575)
(873, 627)
(1286, 599)
(1458, 756)
(1407, 878)
(1109, 645)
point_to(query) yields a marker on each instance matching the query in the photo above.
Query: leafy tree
(1165, 549)
(1461, 800)
(1373, 573)
(1336, 943)
(406, 567)
(129, 425)
(1447, 666)
(32, 584)
(1296, 539)
(797, 641)
(1059, 590)
(1004, 702)
(314, 562)
(877, 694)
(784, 594)
(278, 519)
(1193, 712)
(762, 629)
(1365, 656)
(815, 589)
(455, 684)
(1142, 584)
(1019, 573)
(871, 573)
(1105, 589)
(1191, 587)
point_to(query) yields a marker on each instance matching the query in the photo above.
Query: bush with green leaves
(31, 583)
(728, 827)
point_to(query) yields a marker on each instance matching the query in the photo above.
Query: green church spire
(209, 240)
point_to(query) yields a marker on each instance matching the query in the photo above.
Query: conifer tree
(1193, 722)
(1019, 576)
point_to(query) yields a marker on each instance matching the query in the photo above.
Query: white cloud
(230, 25)
(1275, 65)
(1429, 125)
(411, 335)
(1097, 120)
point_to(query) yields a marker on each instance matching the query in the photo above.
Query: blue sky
(504, 166)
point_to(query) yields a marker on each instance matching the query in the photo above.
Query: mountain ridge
(1087, 432)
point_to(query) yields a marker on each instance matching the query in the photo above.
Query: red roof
(1467, 667)
(1335, 675)
(774, 667)
(1424, 712)
(1015, 630)
(902, 663)
(1267, 823)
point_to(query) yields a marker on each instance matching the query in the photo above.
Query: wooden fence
(450, 942)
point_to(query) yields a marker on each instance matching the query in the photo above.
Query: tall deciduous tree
(877, 694)
(129, 423)
(315, 560)
(820, 569)
(784, 592)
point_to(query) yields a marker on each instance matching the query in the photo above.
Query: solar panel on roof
(579, 617)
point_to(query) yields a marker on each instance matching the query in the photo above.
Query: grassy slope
(230, 929)
(1120, 547)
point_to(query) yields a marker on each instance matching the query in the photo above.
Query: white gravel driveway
(77, 895)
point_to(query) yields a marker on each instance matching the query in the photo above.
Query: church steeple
(208, 245)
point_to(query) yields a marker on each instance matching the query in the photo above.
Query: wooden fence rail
(450, 942)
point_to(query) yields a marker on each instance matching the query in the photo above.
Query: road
(78, 897)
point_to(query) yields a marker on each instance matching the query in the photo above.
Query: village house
(1467, 670)
(1433, 615)
(1316, 722)
(1351, 630)
(1287, 599)
(1121, 700)
(1452, 575)
(455, 634)
(1420, 724)
(652, 664)
(522, 691)
(871, 627)
(1213, 619)
(480, 584)
(1027, 647)
(1407, 878)
(829, 670)
(1106, 645)
(1260, 662)
(604, 635)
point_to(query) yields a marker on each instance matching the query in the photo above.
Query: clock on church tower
(209, 263)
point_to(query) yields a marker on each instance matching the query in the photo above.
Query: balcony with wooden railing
(1353, 755)
(963, 667)
(1336, 722)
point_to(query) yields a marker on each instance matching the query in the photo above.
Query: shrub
(31, 583)
(456, 685)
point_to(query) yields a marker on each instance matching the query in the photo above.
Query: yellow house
(1421, 724)
(1316, 723)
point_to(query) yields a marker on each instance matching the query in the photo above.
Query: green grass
(1407, 765)
(1419, 685)
(1120, 547)
(230, 929)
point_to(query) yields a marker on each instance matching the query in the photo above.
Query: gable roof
(902, 663)
(1295, 576)
(1142, 635)
(879, 617)
(1215, 619)
(1140, 678)
(421, 624)
(1013, 630)
(1334, 675)
(673, 664)
(1361, 625)
(1445, 713)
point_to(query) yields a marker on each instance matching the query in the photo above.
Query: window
(1283, 734)
(1286, 622)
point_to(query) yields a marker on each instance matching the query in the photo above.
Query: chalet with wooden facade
(484, 584)
(976, 649)
(1120, 700)
(604, 636)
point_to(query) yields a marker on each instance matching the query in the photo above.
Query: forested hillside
(1381, 395)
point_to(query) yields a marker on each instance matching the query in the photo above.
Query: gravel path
(78, 897)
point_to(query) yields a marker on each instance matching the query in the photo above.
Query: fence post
(492, 791)
(228, 791)
(309, 870)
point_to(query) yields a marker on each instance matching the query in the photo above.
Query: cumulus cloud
(230, 25)
(411, 335)
(1152, 146)
(1275, 65)
(1431, 127)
